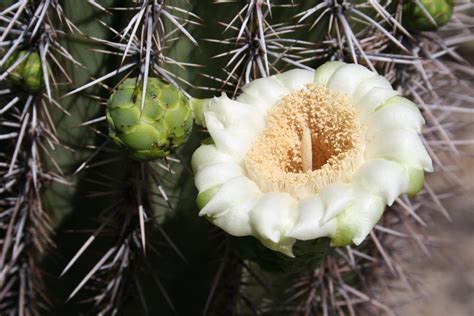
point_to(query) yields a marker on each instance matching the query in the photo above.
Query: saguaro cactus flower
(309, 154)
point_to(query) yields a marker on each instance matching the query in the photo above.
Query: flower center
(312, 139)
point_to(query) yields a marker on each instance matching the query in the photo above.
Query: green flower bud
(164, 124)
(28, 74)
(415, 18)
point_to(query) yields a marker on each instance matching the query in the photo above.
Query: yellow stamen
(312, 139)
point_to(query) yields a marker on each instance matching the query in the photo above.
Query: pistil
(306, 150)
(312, 139)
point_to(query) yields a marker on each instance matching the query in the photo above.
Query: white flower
(303, 155)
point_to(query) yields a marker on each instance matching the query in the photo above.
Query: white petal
(404, 146)
(263, 93)
(309, 226)
(336, 198)
(356, 222)
(230, 195)
(274, 214)
(295, 79)
(207, 155)
(383, 177)
(396, 112)
(366, 85)
(371, 100)
(235, 220)
(254, 101)
(216, 174)
(233, 113)
(233, 140)
(348, 77)
(325, 72)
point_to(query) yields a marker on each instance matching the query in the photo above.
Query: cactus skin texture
(415, 18)
(164, 125)
(28, 74)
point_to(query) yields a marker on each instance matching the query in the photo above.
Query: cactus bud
(415, 18)
(164, 124)
(28, 74)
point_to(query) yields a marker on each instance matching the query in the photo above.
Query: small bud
(28, 73)
(164, 124)
(415, 18)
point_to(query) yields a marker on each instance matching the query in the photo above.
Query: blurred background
(447, 277)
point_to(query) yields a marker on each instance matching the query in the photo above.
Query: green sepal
(123, 120)
(204, 197)
(344, 233)
(142, 137)
(199, 106)
(416, 179)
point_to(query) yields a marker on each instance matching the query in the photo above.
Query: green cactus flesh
(164, 124)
